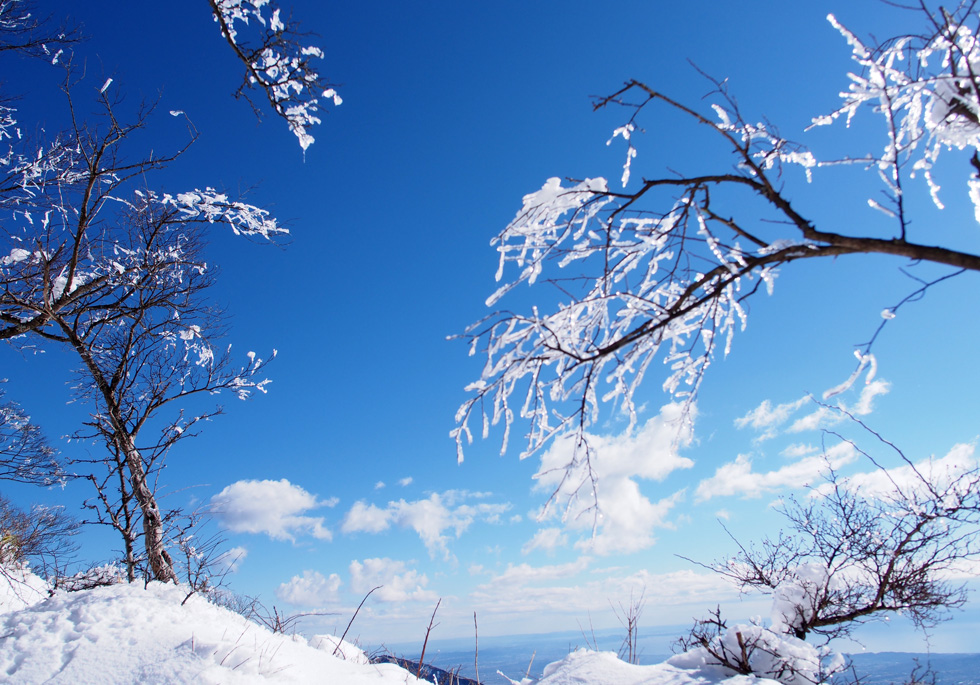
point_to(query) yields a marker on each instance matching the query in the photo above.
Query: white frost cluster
(643, 299)
(283, 70)
(212, 206)
(928, 95)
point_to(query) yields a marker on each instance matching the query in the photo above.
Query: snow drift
(156, 633)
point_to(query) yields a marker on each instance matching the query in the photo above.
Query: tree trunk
(161, 565)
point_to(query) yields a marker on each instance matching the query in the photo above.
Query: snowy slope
(131, 634)
(135, 634)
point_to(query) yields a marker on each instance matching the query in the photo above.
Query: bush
(41, 537)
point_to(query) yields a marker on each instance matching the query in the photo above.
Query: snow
(156, 633)
(128, 633)
(19, 588)
(585, 667)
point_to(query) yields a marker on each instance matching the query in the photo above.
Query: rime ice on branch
(94, 262)
(662, 268)
(275, 62)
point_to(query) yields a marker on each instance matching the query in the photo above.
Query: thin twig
(426, 641)
(351, 622)
(476, 652)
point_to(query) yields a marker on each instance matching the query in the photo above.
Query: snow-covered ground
(131, 633)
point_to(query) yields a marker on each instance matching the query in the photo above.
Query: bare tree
(629, 617)
(663, 268)
(849, 556)
(42, 535)
(94, 261)
(855, 550)
(25, 455)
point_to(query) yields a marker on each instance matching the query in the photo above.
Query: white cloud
(625, 518)
(824, 417)
(738, 478)
(365, 518)
(311, 589)
(231, 559)
(548, 539)
(868, 393)
(379, 485)
(405, 482)
(821, 417)
(273, 507)
(397, 584)
(797, 450)
(941, 473)
(523, 591)
(767, 417)
(522, 574)
(432, 518)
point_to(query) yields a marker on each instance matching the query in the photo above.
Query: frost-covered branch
(25, 30)
(661, 269)
(25, 455)
(276, 62)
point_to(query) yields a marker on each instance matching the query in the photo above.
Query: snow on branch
(275, 62)
(25, 455)
(926, 87)
(212, 206)
(661, 270)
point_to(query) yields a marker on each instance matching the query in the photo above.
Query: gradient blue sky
(452, 112)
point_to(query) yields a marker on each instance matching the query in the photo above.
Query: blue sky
(452, 112)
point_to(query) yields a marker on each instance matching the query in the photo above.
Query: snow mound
(19, 588)
(583, 667)
(129, 633)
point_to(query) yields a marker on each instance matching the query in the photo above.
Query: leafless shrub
(629, 616)
(42, 536)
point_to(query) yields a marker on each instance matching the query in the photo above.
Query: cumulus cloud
(824, 417)
(231, 559)
(767, 418)
(797, 450)
(548, 539)
(770, 419)
(626, 518)
(274, 507)
(942, 473)
(432, 518)
(396, 583)
(738, 478)
(405, 482)
(311, 589)
(365, 518)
